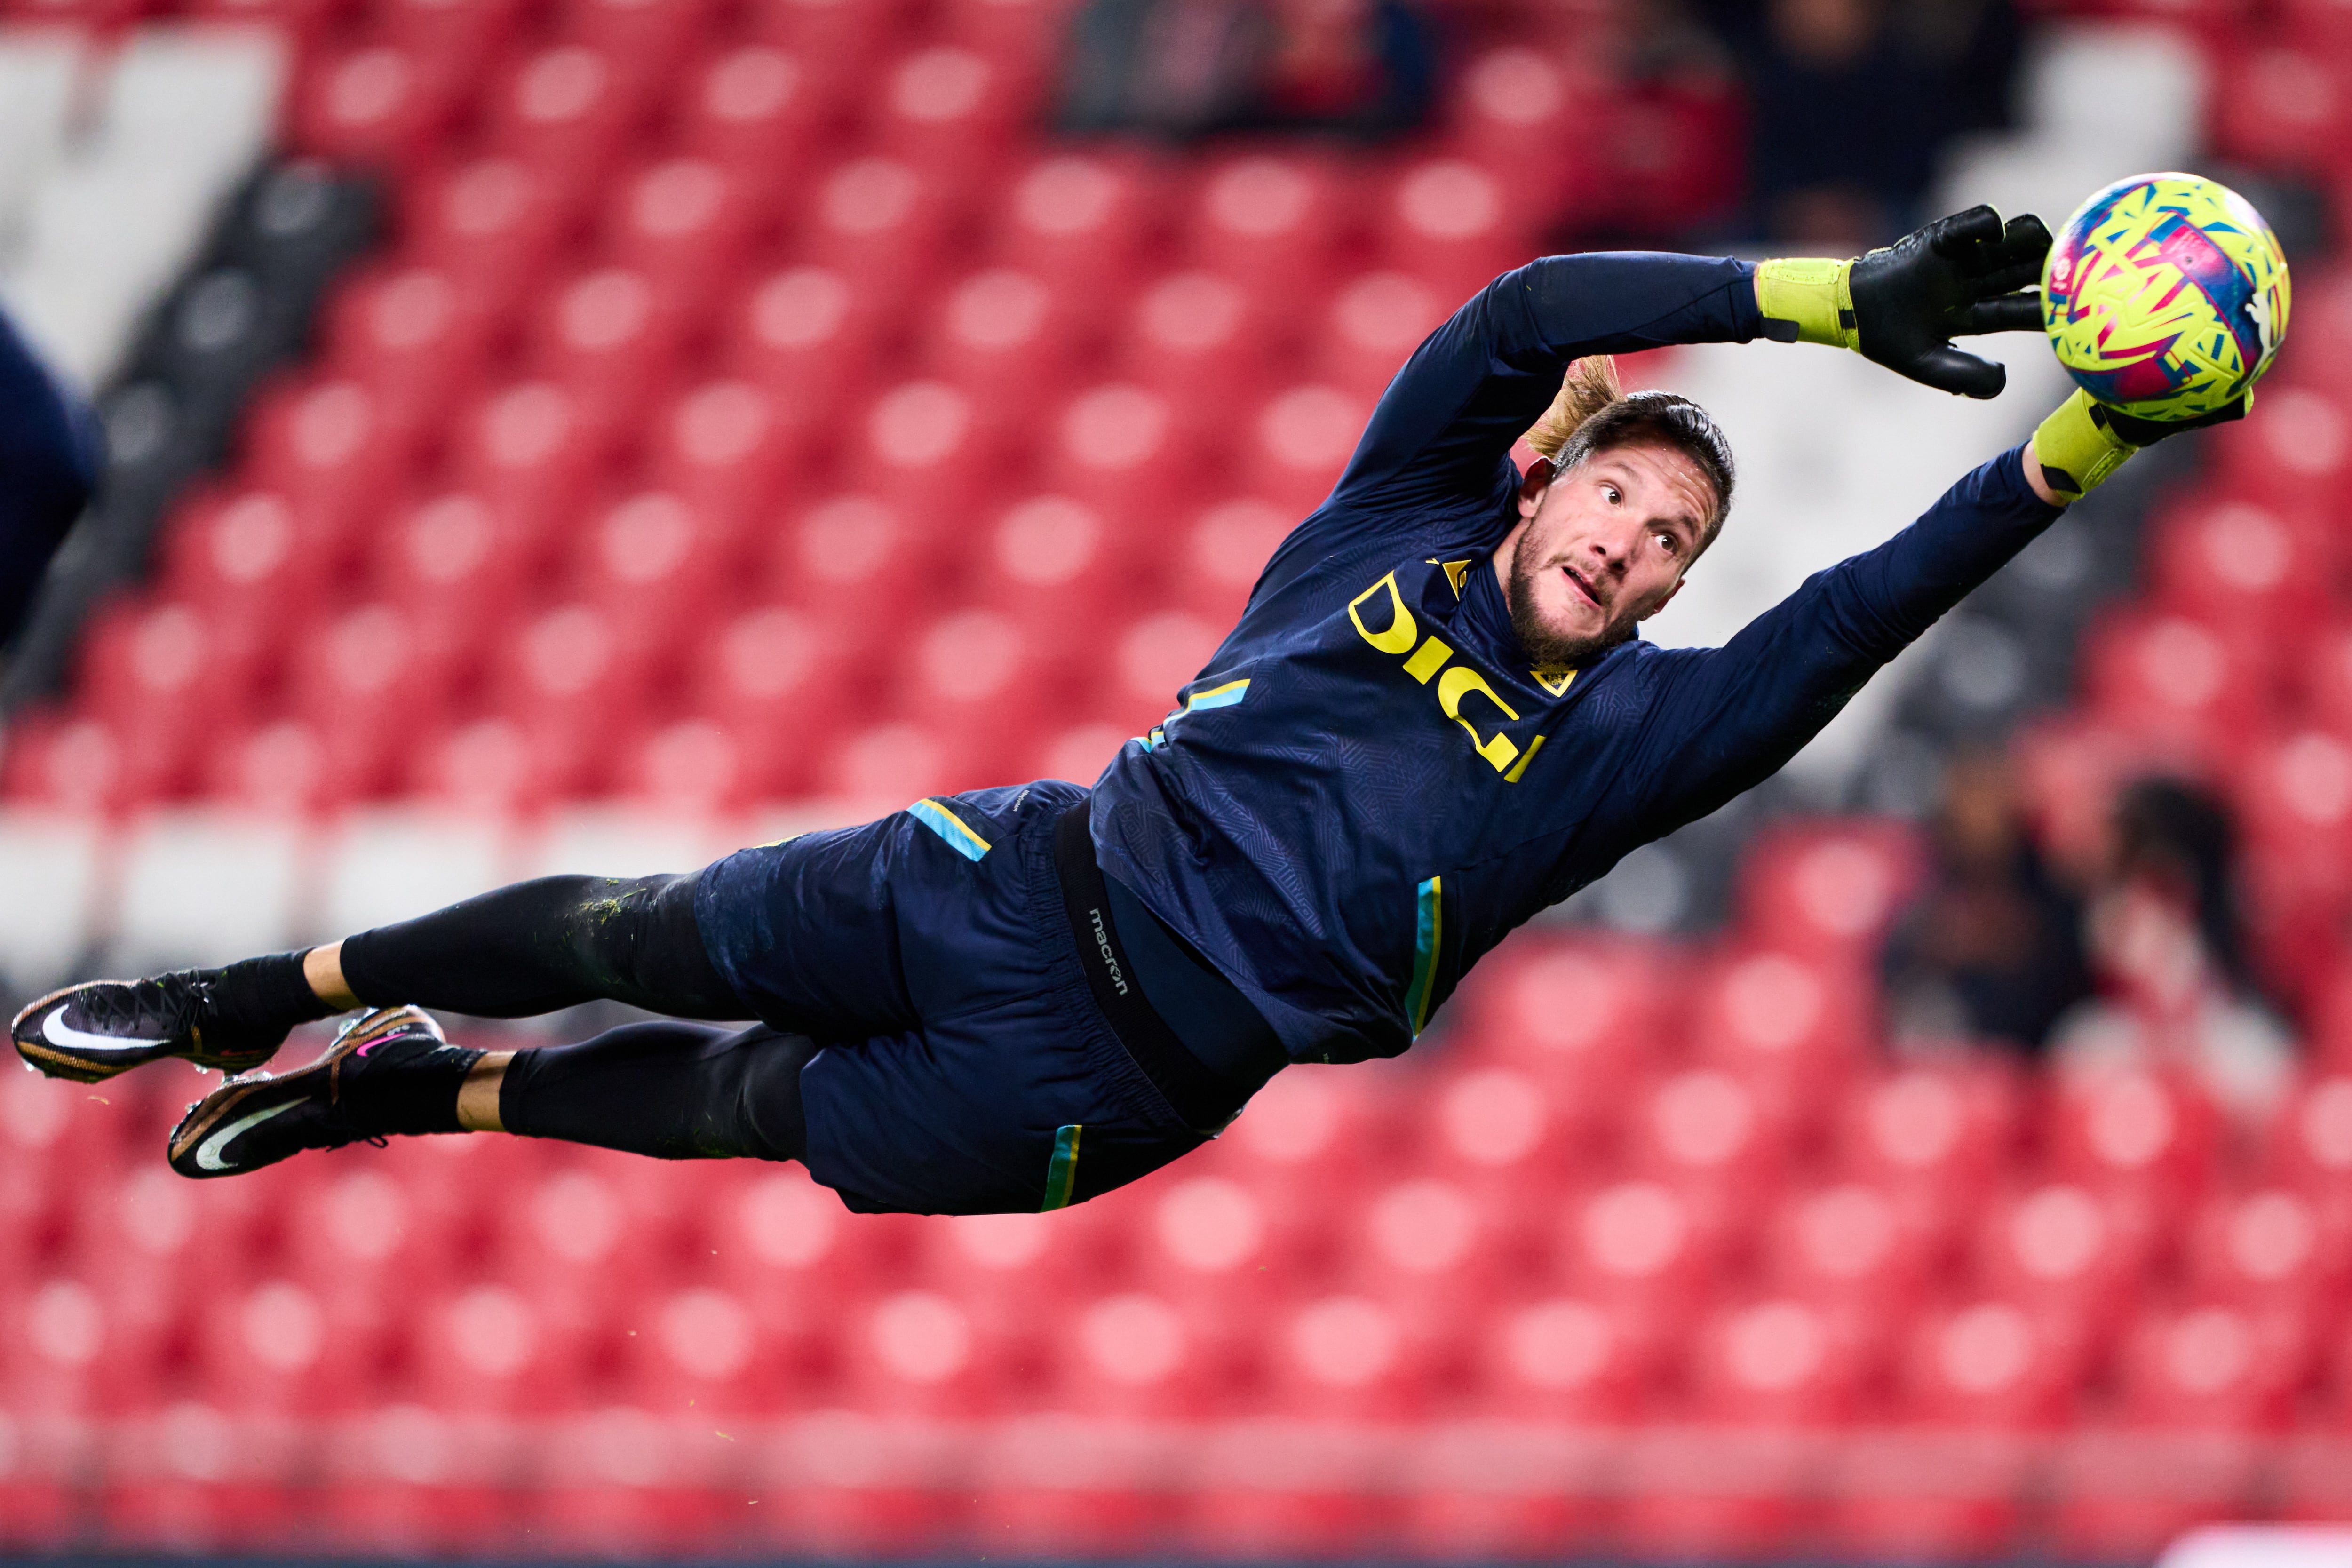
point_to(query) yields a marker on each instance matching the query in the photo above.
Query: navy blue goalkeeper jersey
(1368, 787)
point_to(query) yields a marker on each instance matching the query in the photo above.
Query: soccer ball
(2165, 296)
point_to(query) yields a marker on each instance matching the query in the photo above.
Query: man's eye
(1613, 494)
(1674, 546)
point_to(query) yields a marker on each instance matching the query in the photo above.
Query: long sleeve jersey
(48, 465)
(1368, 787)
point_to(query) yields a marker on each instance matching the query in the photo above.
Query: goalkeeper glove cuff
(2078, 447)
(1808, 300)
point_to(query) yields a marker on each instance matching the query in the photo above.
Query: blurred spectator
(1851, 100)
(2168, 951)
(1184, 68)
(1992, 948)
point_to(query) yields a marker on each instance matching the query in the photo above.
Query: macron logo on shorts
(1110, 962)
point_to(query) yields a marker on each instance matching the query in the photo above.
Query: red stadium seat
(1158, 655)
(1517, 104)
(662, 567)
(2324, 668)
(454, 563)
(1356, 1357)
(949, 109)
(468, 30)
(689, 225)
(572, 660)
(2311, 1141)
(1262, 215)
(1135, 1356)
(1831, 890)
(365, 681)
(1782, 1362)
(727, 447)
(1855, 1245)
(1197, 339)
(1791, 1028)
(2243, 566)
(1221, 1255)
(68, 1353)
(761, 113)
(2272, 1248)
(657, 34)
(605, 341)
(1312, 1129)
(1947, 1127)
(493, 223)
(1057, 566)
(1209, 564)
(846, 31)
(1121, 446)
(923, 446)
(379, 103)
(242, 551)
(882, 220)
(2284, 108)
(769, 677)
(2291, 452)
(329, 447)
(1082, 222)
(2059, 1249)
(569, 109)
(982, 683)
(697, 1348)
(491, 1348)
(1375, 324)
(882, 766)
(1567, 1358)
(1295, 448)
(1992, 1364)
(270, 1348)
(531, 451)
(1006, 338)
(185, 1517)
(1713, 1134)
(914, 1352)
(1641, 1243)
(811, 337)
(2210, 1367)
(1456, 225)
(1590, 1015)
(160, 668)
(1425, 1242)
(1049, 1521)
(998, 1267)
(799, 1261)
(2175, 681)
(410, 335)
(2128, 1130)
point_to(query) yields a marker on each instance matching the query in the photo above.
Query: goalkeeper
(1434, 720)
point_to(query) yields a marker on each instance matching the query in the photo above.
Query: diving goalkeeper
(1434, 720)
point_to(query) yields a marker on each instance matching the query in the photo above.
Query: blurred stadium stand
(750, 420)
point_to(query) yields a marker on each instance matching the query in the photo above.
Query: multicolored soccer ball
(2165, 296)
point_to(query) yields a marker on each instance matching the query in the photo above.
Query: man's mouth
(1582, 586)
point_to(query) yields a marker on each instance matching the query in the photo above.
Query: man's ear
(1533, 487)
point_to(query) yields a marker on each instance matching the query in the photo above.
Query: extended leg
(672, 1091)
(529, 947)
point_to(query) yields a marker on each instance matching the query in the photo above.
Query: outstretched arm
(48, 466)
(1724, 720)
(1446, 423)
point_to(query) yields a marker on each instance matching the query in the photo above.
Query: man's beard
(1546, 649)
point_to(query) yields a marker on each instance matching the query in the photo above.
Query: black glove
(1902, 305)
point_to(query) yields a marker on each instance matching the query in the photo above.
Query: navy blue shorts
(965, 1067)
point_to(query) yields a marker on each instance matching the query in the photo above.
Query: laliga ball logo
(2165, 296)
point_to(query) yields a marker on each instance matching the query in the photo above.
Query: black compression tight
(677, 1091)
(541, 945)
